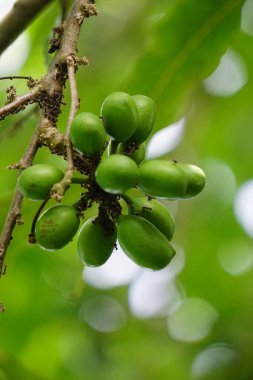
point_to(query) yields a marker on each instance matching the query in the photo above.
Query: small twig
(16, 77)
(19, 103)
(80, 180)
(128, 200)
(15, 208)
(59, 188)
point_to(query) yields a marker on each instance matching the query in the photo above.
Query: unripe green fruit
(155, 212)
(117, 173)
(162, 179)
(195, 179)
(143, 242)
(119, 114)
(36, 181)
(87, 133)
(138, 155)
(56, 227)
(94, 245)
(146, 112)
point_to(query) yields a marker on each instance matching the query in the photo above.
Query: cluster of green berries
(145, 232)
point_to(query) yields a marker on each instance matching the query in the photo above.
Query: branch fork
(48, 94)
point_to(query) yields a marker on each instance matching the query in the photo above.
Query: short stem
(128, 200)
(32, 238)
(80, 180)
(16, 77)
(113, 146)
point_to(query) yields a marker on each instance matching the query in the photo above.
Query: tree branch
(17, 20)
(48, 93)
(14, 215)
(19, 103)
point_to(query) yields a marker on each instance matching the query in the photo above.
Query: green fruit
(138, 155)
(155, 212)
(36, 181)
(162, 179)
(146, 112)
(117, 173)
(143, 242)
(195, 179)
(119, 115)
(56, 227)
(87, 133)
(94, 245)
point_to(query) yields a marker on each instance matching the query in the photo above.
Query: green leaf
(186, 46)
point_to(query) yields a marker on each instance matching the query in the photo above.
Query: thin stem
(16, 77)
(32, 238)
(128, 200)
(113, 145)
(79, 180)
(15, 208)
(19, 103)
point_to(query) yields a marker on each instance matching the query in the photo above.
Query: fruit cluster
(145, 232)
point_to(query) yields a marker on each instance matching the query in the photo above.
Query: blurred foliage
(164, 49)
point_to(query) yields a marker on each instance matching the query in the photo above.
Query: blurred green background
(194, 319)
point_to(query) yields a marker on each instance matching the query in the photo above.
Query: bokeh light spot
(229, 77)
(236, 257)
(117, 271)
(153, 294)
(220, 181)
(5, 6)
(165, 140)
(191, 320)
(243, 206)
(213, 358)
(15, 55)
(247, 17)
(103, 313)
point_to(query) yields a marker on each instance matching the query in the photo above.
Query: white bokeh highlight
(15, 55)
(236, 257)
(165, 140)
(155, 293)
(229, 77)
(192, 320)
(5, 7)
(103, 313)
(212, 359)
(119, 270)
(220, 181)
(243, 206)
(247, 17)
